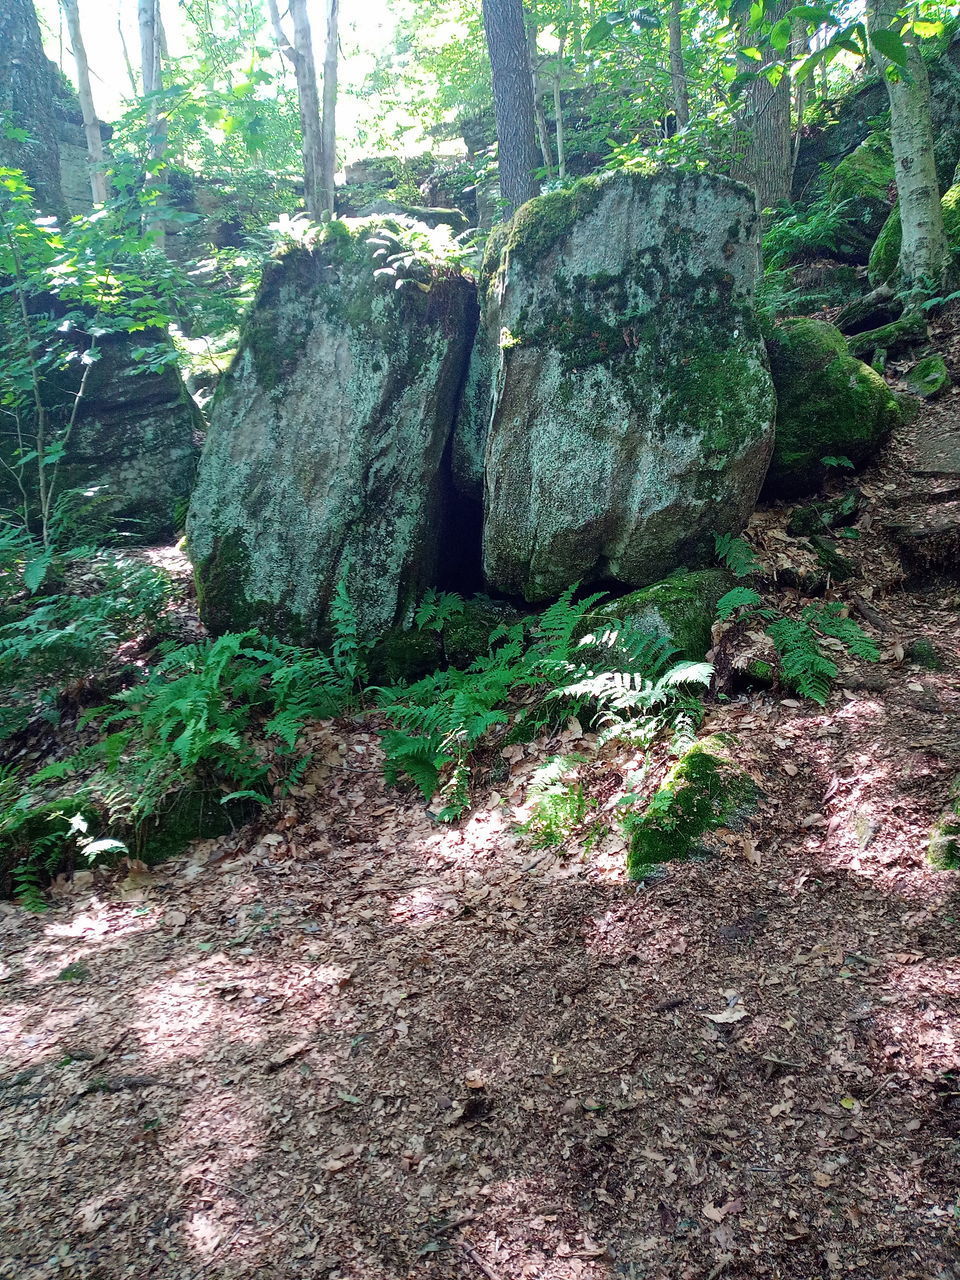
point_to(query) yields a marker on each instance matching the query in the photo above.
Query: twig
(875, 619)
(475, 1258)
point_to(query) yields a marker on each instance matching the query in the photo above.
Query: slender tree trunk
(513, 100)
(540, 116)
(558, 108)
(678, 72)
(148, 13)
(131, 74)
(328, 133)
(91, 123)
(299, 52)
(766, 163)
(800, 48)
(924, 252)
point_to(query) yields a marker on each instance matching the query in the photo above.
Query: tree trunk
(148, 14)
(513, 100)
(924, 252)
(328, 133)
(540, 116)
(678, 72)
(91, 123)
(766, 162)
(558, 109)
(299, 52)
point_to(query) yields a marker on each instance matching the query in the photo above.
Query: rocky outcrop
(325, 454)
(829, 405)
(27, 93)
(632, 411)
(135, 445)
(885, 254)
(852, 119)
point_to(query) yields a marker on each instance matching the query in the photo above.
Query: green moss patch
(681, 608)
(539, 224)
(929, 377)
(943, 846)
(829, 404)
(702, 792)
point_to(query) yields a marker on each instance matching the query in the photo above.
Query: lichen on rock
(323, 458)
(632, 408)
(829, 404)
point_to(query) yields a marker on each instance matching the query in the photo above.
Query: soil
(350, 1042)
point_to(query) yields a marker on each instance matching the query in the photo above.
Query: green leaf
(781, 34)
(891, 46)
(36, 571)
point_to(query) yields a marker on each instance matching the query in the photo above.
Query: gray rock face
(27, 91)
(326, 442)
(633, 409)
(135, 443)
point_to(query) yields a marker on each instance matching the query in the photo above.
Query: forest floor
(349, 1042)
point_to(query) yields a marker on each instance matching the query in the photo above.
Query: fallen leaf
(734, 1014)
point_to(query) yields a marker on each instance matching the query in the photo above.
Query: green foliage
(558, 803)
(738, 598)
(91, 603)
(625, 679)
(805, 233)
(801, 642)
(736, 555)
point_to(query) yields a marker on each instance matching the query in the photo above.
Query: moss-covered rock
(325, 453)
(885, 255)
(863, 182)
(929, 377)
(455, 219)
(703, 791)
(681, 609)
(828, 405)
(632, 406)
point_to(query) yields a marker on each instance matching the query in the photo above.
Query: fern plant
(617, 674)
(799, 642)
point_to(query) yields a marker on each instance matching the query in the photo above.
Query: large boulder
(135, 445)
(326, 439)
(632, 411)
(829, 405)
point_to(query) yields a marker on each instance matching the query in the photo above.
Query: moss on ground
(829, 405)
(702, 792)
(929, 377)
(943, 846)
(681, 608)
(865, 172)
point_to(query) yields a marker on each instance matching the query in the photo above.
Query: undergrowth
(803, 643)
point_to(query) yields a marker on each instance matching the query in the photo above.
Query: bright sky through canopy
(366, 28)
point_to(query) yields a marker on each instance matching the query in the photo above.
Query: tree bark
(148, 14)
(91, 122)
(678, 71)
(299, 52)
(513, 101)
(540, 116)
(328, 132)
(924, 252)
(766, 162)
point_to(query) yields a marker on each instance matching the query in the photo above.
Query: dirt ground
(352, 1043)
